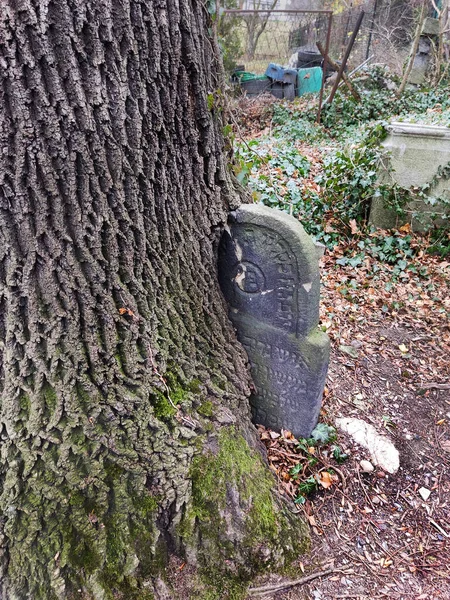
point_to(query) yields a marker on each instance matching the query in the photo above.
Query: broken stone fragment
(366, 466)
(424, 493)
(382, 451)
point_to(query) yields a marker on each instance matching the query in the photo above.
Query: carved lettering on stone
(269, 274)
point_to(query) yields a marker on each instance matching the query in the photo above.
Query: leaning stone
(269, 274)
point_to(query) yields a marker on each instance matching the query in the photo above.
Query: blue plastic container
(282, 74)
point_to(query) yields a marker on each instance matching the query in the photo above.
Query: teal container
(309, 81)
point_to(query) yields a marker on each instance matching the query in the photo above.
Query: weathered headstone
(416, 153)
(269, 274)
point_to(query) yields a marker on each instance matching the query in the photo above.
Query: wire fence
(254, 38)
(385, 34)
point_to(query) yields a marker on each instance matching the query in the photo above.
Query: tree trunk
(413, 51)
(124, 424)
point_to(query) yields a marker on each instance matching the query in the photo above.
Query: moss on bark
(114, 190)
(233, 503)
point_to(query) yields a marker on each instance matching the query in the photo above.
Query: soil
(376, 532)
(379, 537)
(390, 366)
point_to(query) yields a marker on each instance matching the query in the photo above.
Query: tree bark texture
(124, 423)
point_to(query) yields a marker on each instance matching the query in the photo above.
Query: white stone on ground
(366, 466)
(382, 451)
(424, 493)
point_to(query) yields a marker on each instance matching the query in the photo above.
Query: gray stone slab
(430, 26)
(269, 274)
(419, 69)
(416, 151)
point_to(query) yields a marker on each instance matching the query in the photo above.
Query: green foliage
(348, 180)
(338, 455)
(336, 208)
(323, 434)
(296, 123)
(395, 249)
(308, 469)
(229, 40)
(210, 101)
(290, 161)
(306, 487)
(274, 173)
(377, 90)
(439, 242)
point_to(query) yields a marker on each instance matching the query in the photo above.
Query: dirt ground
(376, 533)
(372, 534)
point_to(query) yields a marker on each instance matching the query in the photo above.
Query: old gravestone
(269, 274)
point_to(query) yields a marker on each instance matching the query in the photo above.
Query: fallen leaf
(350, 350)
(353, 226)
(403, 348)
(126, 311)
(325, 479)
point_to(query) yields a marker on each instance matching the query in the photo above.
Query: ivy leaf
(323, 433)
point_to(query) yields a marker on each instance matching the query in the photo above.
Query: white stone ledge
(419, 130)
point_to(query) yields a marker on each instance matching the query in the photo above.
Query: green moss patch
(206, 408)
(233, 489)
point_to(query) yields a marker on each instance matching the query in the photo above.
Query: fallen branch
(335, 66)
(435, 386)
(439, 528)
(270, 589)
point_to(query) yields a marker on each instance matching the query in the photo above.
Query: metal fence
(255, 38)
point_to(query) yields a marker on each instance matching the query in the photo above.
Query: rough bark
(113, 192)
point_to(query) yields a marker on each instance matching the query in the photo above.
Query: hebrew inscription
(269, 274)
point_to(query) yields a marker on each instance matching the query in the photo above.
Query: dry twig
(270, 589)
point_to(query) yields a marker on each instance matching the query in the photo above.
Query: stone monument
(269, 275)
(416, 152)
